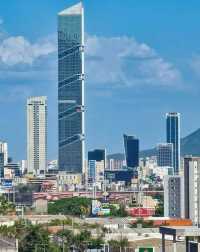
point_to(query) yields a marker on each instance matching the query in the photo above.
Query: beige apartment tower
(37, 135)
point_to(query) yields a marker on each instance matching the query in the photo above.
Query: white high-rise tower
(37, 134)
(4, 150)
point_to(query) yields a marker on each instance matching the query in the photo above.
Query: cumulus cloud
(18, 50)
(123, 61)
(111, 61)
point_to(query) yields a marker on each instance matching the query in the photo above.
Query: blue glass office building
(71, 89)
(173, 136)
(131, 147)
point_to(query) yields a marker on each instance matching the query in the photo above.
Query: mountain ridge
(190, 145)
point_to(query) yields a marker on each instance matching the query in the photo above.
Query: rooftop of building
(73, 10)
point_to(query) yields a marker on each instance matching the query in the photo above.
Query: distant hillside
(190, 145)
(117, 156)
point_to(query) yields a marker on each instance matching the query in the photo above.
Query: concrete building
(192, 189)
(71, 89)
(173, 137)
(4, 150)
(96, 166)
(115, 164)
(69, 181)
(174, 196)
(37, 135)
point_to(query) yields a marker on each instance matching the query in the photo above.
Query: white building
(4, 150)
(192, 187)
(174, 196)
(37, 134)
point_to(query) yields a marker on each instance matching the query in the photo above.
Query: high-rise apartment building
(4, 150)
(131, 147)
(174, 196)
(165, 155)
(71, 89)
(37, 134)
(192, 189)
(173, 136)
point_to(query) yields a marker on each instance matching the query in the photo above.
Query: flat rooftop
(180, 230)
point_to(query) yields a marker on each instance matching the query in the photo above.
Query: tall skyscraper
(71, 89)
(37, 134)
(131, 147)
(165, 155)
(173, 136)
(192, 189)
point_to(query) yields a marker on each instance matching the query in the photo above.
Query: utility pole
(63, 245)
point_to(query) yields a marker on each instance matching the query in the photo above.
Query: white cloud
(122, 61)
(114, 61)
(18, 50)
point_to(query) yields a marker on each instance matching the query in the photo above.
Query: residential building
(1, 165)
(173, 137)
(69, 181)
(174, 196)
(37, 135)
(115, 164)
(4, 150)
(192, 189)
(96, 166)
(12, 168)
(71, 89)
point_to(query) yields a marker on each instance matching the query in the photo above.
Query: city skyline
(149, 92)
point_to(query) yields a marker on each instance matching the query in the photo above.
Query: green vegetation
(118, 212)
(144, 224)
(31, 237)
(77, 206)
(37, 238)
(80, 241)
(160, 206)
(116, 244)
(159, 210)
(6, 206)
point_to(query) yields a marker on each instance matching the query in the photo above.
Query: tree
(118, 244)
(36, 238)
(73, 206)
(95, 243)
(5, 206)
(81, 240)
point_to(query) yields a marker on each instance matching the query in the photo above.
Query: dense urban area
(145, 201)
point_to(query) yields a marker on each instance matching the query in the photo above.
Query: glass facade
(97, 155)
(165, 155)
(173, 136)
(71, 89)
(131, 146)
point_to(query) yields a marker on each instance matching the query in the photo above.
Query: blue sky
(142, 60)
